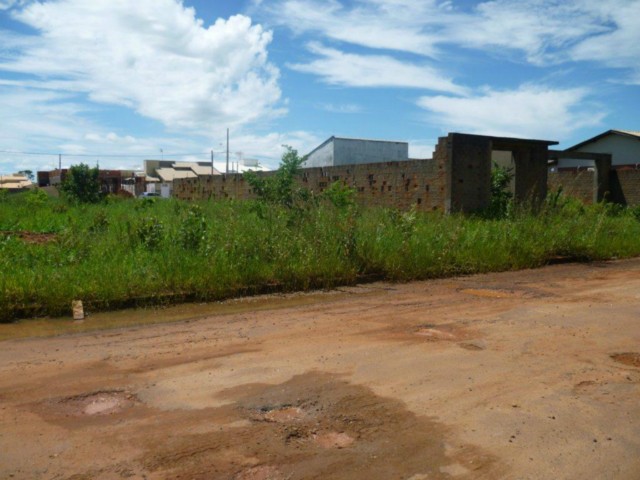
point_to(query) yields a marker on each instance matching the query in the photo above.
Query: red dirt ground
(520, 375)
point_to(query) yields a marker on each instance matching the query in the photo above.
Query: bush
(501, 197)
(150, 232)
(36, 197)
(281, 188)
(82, 184)
(340, 195)
(193, 228)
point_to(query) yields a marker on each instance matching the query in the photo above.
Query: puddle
(631, 359)
(47, 327)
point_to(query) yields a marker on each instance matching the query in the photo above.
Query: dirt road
(520, 375)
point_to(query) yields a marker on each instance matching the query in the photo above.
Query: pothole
(281, 413)
(473, 346)
(96, 403)
(315, 425)
(334, 440)
(441, 332)
(627, 358)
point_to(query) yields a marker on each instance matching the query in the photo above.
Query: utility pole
(227, 151)
(212, 163)
(60, 163)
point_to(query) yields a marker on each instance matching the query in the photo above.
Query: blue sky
(114, 82)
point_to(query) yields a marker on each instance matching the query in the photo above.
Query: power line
(93, 155)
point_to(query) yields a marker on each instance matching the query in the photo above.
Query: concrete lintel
(558, 154)
(506, 143)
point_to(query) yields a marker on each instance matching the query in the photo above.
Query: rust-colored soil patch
(627, 358)
(315, 425)
(30, 237)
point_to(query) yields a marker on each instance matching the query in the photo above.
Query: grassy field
(122, 253)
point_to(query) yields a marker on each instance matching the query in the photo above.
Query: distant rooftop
(625, 133)
(333, 137)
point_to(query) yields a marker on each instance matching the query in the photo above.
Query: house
(15, 182)
(337, 151)
(623, 145)
(111, 181)
(160, 174)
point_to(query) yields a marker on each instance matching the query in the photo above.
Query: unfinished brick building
(456, 179)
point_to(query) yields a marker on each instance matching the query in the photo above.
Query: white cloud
(349, 69)
(154, 56)
(7, 4)
(530, 111)
(543, 31)
(422, 148)
(269, 147)
(620, 45)
(30, 117)
(388, 24)
(341, 108)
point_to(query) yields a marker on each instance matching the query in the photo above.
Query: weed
(150, 231)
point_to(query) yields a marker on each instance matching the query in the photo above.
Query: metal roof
(170, 174)
(203, 170)
(624, 133)
(14, 182)
(333, 137)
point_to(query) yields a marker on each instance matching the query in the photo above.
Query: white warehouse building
(348, 151)
(623, 145)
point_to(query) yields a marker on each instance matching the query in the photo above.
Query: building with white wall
(337, 151)
(623, 145)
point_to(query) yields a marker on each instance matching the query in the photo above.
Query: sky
(112, 82)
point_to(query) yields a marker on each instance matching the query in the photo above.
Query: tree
(501, 196)
(280, 187)
(27, 173)
(82, 184)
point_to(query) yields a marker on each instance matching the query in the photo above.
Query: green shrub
(150, 231)
(193, 228)
(82, 184)
(36, 198)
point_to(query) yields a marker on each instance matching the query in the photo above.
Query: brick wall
(391, 184)
(625, 186)
(574, 184)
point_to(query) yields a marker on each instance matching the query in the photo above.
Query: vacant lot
(532, 374)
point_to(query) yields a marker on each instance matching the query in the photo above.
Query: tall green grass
(136, 252)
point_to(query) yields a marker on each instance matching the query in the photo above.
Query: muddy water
(48, 327)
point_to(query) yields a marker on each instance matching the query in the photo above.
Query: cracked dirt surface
(518, 375)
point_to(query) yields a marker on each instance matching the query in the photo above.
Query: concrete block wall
(574, 184)
(470, 164)
(391, 184)
(625, 186)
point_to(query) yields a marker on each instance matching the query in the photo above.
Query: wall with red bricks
(392, 184)
(574, 184)
(625, 186)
